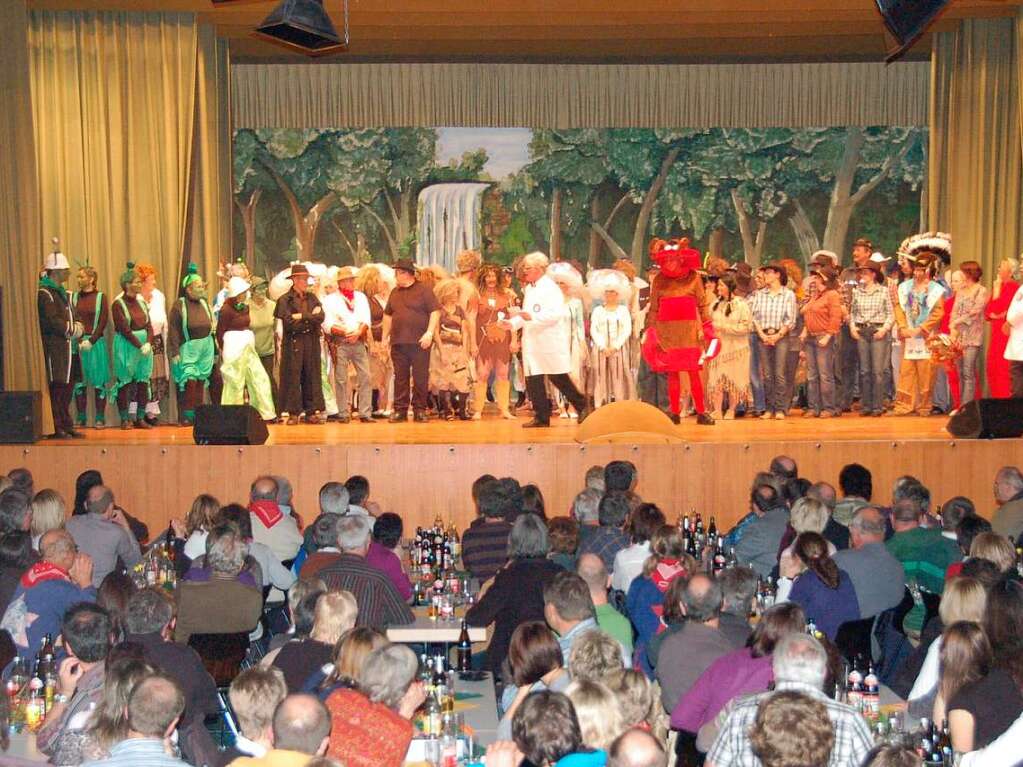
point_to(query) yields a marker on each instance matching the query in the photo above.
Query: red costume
(678, 324)
(997, 365)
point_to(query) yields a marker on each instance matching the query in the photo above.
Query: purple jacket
(386, 561)
(737, 673)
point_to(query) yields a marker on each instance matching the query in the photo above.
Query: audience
(594, 656)
(738, 590)
(48, 513)
(596, 708)
(16, 556)
(608, 539)
(348, 658)
(334, 613)
(792, 728)
(535, 663)
(758, 546)
(201, 518)
(643, 523)
(591, 570)
(856, 484)
(301, 729)
(563, 533)
(812, 580)
(877, 577)
(966, 531)
(836, 533)
(272, 572)
(1008, 519)
(254, 695)
(668, 560)
(271, 524)
(546, 731)
(568, 610)
(323, 542)
(386, 537)
(636, 748)
(586, 511)
(485, 543)
(104, 535)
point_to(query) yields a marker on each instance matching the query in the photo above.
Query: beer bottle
(464, 650)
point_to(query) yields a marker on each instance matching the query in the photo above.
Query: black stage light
(304, 26)
(907, 20)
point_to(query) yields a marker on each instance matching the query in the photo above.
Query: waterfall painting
(351, 196)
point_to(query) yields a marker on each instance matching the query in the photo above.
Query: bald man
(301, 729)
(272, 525)
(591, 569)
(877, 576)
(636, 748)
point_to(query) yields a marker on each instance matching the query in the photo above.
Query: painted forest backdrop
(592, 195)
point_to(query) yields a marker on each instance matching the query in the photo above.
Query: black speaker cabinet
(228, 425)
(21, 417)
(988, 419)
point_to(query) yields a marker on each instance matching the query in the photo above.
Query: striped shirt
(732, 746)
(774, 310)
(138, 752)
(380, 604)
(485, 548)
(873, 305)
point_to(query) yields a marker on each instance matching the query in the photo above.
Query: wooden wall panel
(421, 481)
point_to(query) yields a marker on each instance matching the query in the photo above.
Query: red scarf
(666, 571)
(43, 571)
(349, 294)
(269, 512)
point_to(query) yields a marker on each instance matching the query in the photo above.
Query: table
(480, 715)
(435, 631)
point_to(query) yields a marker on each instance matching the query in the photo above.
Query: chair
(853, 639)
(221, 654)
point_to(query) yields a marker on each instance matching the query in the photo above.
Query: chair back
(221, 654)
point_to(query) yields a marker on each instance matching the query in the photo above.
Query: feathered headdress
(938, 243)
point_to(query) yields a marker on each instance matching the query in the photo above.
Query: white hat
(564, 272)
(879, 258)
(829, 254)
(236, 286)
(55, 260)
(599, 281)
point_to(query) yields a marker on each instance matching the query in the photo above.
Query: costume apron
(242, 369)
(195, 355)
(95, 362)
(130, 364)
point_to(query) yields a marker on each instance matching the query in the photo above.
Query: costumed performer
(611, 331)
(133, 350)
(1004, 288)
(871, 318)
(375, 281)
(263, 327)
(678, 323)
(449, 355)
(546, 352)
(91, 360)
(494, 345)
(190, 344)
(346, 324)
(301, 316)
(240, 366)
(570, 281)
(159, 384)
(59, 329)
(728, 372)
(410, 325)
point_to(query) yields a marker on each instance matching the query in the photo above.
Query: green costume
(130, 364)
(95, 361)
(195, 356)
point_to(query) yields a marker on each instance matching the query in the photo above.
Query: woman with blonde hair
(449, 355)
(644, 603)
(1002, 291)
(990, 546)
(350, 653)
(49, 512)
(808, 515)
(376, 281)
(596, 707)
(635, 697)
(495, 345)
(108, 723)
(201, 518)
(334, 613)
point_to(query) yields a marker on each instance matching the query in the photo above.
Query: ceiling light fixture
(304, 26)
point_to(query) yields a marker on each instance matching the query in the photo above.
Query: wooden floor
(495, 430)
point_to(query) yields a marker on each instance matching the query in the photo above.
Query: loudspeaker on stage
(988, 419)
(229, 425)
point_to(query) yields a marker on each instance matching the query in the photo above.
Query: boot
(502, 393)
(445, 408)
(479, 399)
(462, 406)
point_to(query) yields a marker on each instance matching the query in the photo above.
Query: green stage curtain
(330, 95)
(21, 249)
(975, 173)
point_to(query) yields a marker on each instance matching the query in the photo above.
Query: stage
(422, 470)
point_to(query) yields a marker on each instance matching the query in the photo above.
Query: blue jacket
(39, 610)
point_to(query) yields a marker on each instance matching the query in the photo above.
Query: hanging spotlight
(304, 26)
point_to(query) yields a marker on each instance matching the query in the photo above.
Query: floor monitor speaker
(229, 425)
(21, 417)
(988, 419)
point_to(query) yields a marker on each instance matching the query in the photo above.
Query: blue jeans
(941, 395)
(773, 361)
(847, 362)
(756, 382)
(820, 375)
(967, 365)
(875, 359)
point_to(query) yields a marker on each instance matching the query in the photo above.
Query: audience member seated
(924, 553)
(741, 672)
(323, 540)
(87, 480)
(301, 729)
(224, 603)
(86, 635)
(563, 534)
(535, 663)
(386, 538)
(108, 724)
(335, 613)
(379, 603)
(877, 576)
(969, 528)
(953, 512)
(994, 548)
(674, 618)
(800, 665)
(568, 610)
(591, 569)
(738, 590)
(857, 486)
(49, 512)
(636, 748)
(358, 495)
(349, 655)
(812, 580)
(784, 468)
(104, 535)
(113, 595)
(371, 726)
(300, 620)
(46, 590)
(152, 713)
(254, 695)
(16, 556)
(586, 511)
(149, 622)
(594, 656)
(517, 593)
(645, 600)
(201, 518)
(21, 480)
(596, 708)
(761, 538)
(609, 539)
(834, 532)
(964, 599)
(1008, 519)
(270, 524)
(15, 510)
(485, 542)
(272, 571)
(690, 651)
(792, 728)
(981, 710)
(965, 657)
(333, 501)
(646, 520)
(635, 698)
(532, 501)
(808, 515)
(546, 732)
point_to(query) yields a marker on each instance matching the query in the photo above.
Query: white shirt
(930, 672)
(610, 328)
(1003, 751)
(628, 565)
(545, 338)
(195, 546)
(1014, 316)
(338, 312)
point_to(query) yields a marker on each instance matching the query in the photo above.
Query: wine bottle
(464, 649)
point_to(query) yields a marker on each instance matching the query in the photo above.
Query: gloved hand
(146, 349)
(77, 330)
(85, 345)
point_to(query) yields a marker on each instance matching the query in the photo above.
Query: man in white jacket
(1014, 348)
(346, 321)
(545, 343)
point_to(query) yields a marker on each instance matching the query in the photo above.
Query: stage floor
(498, 431)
